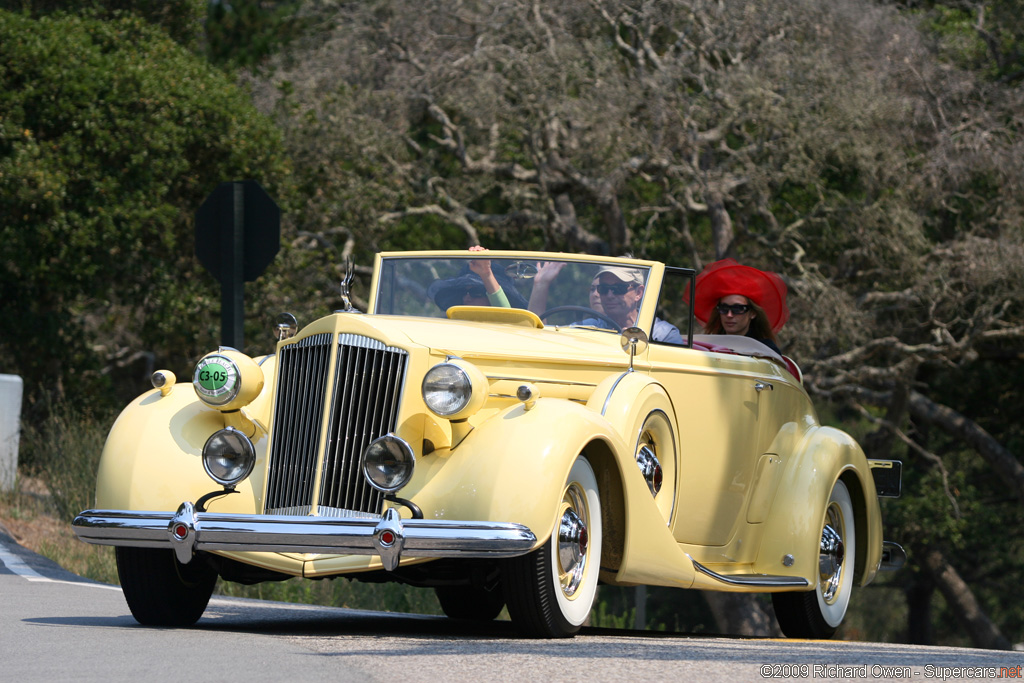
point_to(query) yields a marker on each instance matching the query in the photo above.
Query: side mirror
(633, 341)
(287, 326)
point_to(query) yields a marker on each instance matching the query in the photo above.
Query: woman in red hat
(738, 299)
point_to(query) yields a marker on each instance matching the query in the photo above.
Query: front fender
(513, 467)
(152, 459)
(794, 525)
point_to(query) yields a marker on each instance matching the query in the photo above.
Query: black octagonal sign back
(238, 218)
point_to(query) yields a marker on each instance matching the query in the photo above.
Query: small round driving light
(163, 380)
(388, 463)
(454, 389)
(228, 456)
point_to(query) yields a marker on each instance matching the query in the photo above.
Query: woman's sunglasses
(619, 288)
(735, 309)
(475, 292)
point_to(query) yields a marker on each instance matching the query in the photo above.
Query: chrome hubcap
(573, 541)
(831, 554)
(647, 461)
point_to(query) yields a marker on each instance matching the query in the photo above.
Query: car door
(725, 425)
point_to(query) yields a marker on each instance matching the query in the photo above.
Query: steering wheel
(582, 309)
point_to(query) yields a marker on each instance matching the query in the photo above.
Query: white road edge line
(18, 566)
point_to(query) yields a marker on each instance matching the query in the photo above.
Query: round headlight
(455, 389)
(228, 456)
(216, 379)
(388, 463)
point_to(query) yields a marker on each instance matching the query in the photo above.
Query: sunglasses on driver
(618, 288)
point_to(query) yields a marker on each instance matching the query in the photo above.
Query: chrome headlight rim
(233, 442)
(217, 379)
(454, 389)
(459, 391)
(388, 451)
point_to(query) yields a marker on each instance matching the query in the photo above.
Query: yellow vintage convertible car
(509, 428)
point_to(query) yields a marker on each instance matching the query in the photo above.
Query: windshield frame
(383, 301)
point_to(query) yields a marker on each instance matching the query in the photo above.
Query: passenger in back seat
(737, 299)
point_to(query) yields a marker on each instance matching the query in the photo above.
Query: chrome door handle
(761, 386)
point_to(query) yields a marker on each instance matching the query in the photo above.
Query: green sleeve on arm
(499, 299)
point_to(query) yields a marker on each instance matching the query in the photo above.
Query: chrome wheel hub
(573, 541)
(650, 467)
(831, 554)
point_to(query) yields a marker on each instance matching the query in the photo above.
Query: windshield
(602, 295)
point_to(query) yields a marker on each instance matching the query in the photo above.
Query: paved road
(55, 626)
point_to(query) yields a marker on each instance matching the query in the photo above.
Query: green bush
(181, 19)
(111, 135)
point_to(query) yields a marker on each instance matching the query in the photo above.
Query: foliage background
(867, 151)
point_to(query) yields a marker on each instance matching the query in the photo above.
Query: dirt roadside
(27, 515)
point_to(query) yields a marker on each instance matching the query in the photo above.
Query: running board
(754, 580)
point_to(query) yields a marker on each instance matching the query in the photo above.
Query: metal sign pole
(238, 233)
(232, 290)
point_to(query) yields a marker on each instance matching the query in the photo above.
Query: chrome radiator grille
(364, 395)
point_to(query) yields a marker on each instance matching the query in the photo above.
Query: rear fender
(626, 402)
(793, 528)
(650, 552)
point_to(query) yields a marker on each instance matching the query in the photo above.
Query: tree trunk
(721, 225)
(741, 614)
(924, 410)
(919, 610)
(982, 630)
(618, 232)
(568, 227)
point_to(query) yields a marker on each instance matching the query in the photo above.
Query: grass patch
(65, 451)
(30, 516)
(340, 592)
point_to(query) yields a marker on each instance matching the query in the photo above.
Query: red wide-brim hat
(726, 277)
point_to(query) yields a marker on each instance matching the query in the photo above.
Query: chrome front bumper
(390, 536)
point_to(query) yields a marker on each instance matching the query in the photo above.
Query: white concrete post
(10, 429)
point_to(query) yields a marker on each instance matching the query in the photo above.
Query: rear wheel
(550, 591)
(160, 591)
(818, 613)
(470, 602)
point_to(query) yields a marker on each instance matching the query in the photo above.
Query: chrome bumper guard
(893, 557)
(390, 536)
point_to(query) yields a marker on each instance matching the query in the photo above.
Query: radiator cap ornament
(346, 284)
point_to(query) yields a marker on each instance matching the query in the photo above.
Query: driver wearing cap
(621, 290)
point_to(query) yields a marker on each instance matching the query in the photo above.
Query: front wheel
(818, 613)
(549, 592)
(470, 602)
(159, 590)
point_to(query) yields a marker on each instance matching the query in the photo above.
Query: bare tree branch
(970, 432)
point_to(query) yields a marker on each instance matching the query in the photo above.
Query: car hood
(472, 339)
